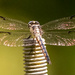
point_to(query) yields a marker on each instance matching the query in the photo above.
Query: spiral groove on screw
(35, 62)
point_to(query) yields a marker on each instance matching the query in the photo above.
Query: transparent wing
(18, 31)
(11, 24)
(15, 39)
(60, 24)
(60, 32)
(62, 38)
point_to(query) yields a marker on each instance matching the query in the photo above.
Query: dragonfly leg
(72, 16)
(5, 32)
(31, 51)
(29, 37)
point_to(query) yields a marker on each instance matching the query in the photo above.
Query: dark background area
(43, 11)
(62, 58)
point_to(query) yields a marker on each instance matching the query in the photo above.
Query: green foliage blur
(62, 58)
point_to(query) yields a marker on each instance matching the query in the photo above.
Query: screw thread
(35, 62)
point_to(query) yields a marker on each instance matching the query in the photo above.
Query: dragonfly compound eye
(33, 23)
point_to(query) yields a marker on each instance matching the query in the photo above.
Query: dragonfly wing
(11, 24)
(60, 32)
(62, 38)
(14, 32)
(59, 24)
(14, 39)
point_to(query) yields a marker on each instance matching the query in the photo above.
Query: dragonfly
(60, 32)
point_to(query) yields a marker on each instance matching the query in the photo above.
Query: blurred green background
(62, 58)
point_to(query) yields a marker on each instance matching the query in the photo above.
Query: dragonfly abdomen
(39, 39)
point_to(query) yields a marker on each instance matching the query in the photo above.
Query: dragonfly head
(31, 23)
